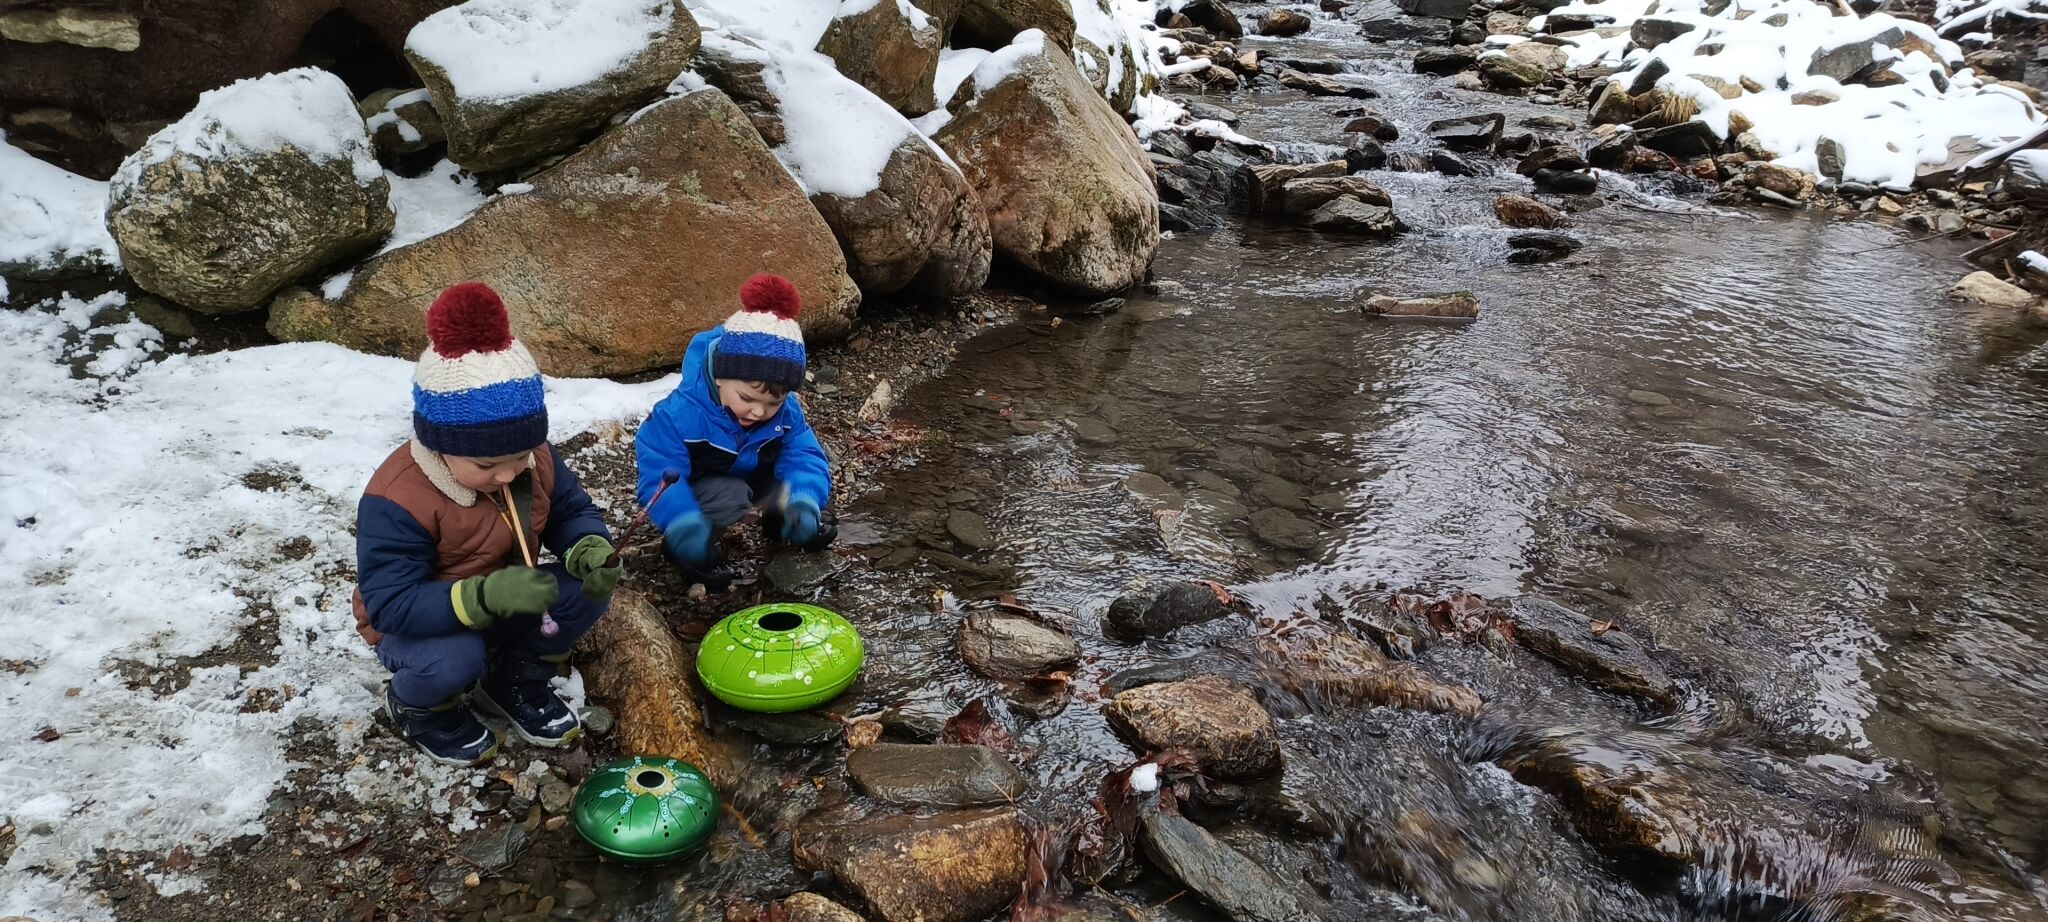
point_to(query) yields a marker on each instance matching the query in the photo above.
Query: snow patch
(336, 285)
(159, 507)
(1145, 778)
(431, 203)
(50, 216)
(505, 49)
(1886, 132)
(839, 136)
(305, 109)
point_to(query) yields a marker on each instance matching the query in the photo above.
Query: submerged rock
(955, 866)
(1306, 195)
(1461, 305)
(1609, 658)
(1008, 646)
(1319, 85)
(1985, 288)
(1216, 720)
(810, 907)
(935, 775)
(1143, 615)
(1268, 181)
(1517, 210)
(1541, 247)
(1337, 672)
(1223, 875)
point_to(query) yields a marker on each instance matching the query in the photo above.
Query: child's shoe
(717, 578)
(448, 733)
(517, 686)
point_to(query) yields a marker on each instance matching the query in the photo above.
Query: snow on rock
(1790, 48)
(160, 507)
(504, 49)
(306, 109)
(52, 222)
(263, 181)
(430, 203)
(517, 80)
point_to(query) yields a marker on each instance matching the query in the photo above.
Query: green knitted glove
(586, 561)
(510, 591)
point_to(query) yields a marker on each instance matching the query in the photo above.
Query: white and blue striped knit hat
(762, 341)
(477, 392)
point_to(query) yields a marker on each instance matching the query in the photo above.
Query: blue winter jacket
(691, 432)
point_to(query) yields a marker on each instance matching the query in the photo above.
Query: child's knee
(430, 672)
(723, 500)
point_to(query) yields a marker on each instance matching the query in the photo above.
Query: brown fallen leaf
(862, 733)
(974, 724)
(48, 735)
(1602, 627)
(1222, 595)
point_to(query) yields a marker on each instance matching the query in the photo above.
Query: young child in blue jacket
(738, 441)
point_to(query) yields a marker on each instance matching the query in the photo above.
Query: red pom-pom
(468, 318)
(771, 294)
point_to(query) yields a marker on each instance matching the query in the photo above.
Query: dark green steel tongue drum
(646, 809)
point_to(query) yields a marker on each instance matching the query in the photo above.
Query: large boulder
(615, 256)
(264, 181)
(892, 49)
(948, 867)
(1115, 74)
(903, 214)
(995, 23)
(516, 80)
(118, 70)
(1069, 194)
(1218, 721)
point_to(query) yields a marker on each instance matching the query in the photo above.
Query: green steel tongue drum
(782, 657)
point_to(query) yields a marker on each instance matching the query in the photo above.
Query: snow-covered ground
(50, 217)
(158, 507)
(1885, 133)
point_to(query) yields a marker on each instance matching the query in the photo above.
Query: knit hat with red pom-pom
(762, 342)
(477, 392)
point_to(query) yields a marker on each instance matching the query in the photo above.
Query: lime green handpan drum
(646, 809)
(784, 657)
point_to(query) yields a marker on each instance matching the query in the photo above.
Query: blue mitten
(800, 521)
(689, 539)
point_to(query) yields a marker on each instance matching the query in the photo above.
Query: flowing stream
(1762, 442)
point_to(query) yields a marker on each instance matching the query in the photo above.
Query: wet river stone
(1157, 613)
(1611, 659)
(970, 529)
(1237, 885)
(939, 775)
(954, 866)
(1013, 647)
(810, 907)
(1230, 735)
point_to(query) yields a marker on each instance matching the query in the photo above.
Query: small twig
(746, 829)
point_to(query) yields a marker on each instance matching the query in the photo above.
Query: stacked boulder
(615, 169)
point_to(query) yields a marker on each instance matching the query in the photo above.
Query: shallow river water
(1762, 442)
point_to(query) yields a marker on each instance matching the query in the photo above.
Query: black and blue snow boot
(517, 687)
(449, 733)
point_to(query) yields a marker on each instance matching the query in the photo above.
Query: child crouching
(447, 535)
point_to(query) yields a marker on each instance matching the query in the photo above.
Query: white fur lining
(443, 479)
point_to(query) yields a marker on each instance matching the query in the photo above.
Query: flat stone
(1444, 61)
(1284, 529)
(1206, 112)
(955, 866)
(1315, 65)
(1552, 157)
(810, 907)
(1236, 884)
(1451, 164)
(1505, 73)
(1985, 288)
(1612, 659)
(970, 529)
(1648, 398)
(796, 571)
(1008, 646)
(1306, 195)
(1436, 9)
(1470, 133)
(934, 775)
(1686, 139)
(1651, 31)
(799, 729)
(109, 29)
(1569, 182)
(1218, 721)
(1351, 216)
(1380, 129)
